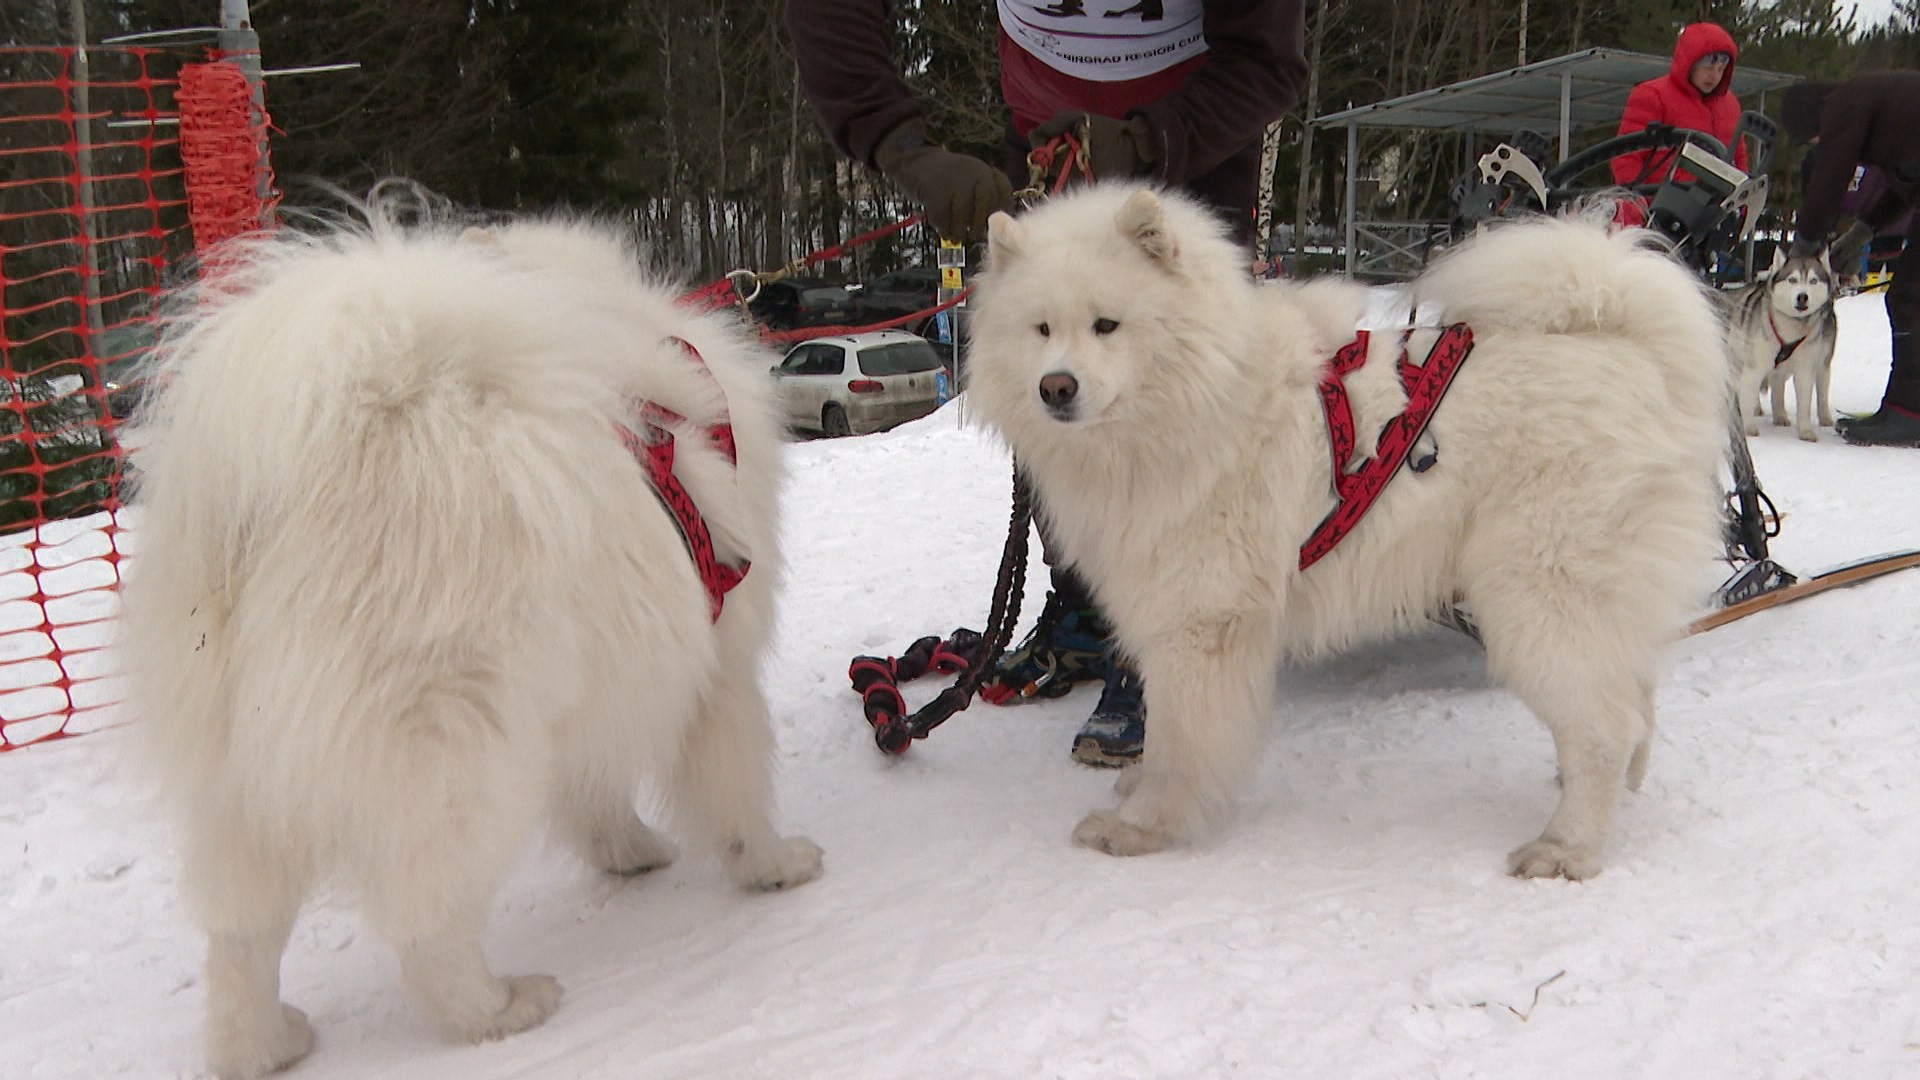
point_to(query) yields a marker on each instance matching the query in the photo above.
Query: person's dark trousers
(1903, 316)
(1897, 421)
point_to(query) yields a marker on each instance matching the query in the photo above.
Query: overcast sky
(1874, 12)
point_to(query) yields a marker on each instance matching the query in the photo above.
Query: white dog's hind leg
(1602, 727)
(459, 801)
(1637, 764)
(723, 784)
(448, 971)
(1642, 750)
(1573, 649)
(247, 891)
(1205, 696)
(601, 825)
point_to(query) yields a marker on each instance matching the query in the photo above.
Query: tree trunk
(1315, 44)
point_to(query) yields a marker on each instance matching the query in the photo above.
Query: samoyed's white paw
(531, 999)
(1551, 858)
(1103, 830)
(631, 849)
(234, 1054)
(787, 862)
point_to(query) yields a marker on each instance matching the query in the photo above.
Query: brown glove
(1115, 148)
(957, 192)
(1844, 255)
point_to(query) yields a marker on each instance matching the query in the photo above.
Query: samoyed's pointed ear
(1144, 221)
(1779, 260)
(1005, 238)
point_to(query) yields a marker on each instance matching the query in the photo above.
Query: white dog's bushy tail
(1575, 276)
(316, 398)
(1568, 276)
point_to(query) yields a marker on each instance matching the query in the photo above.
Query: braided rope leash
(877, 679)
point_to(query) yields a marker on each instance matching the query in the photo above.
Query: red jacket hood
(1697, 41)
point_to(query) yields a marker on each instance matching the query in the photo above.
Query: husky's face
(1800, 286)
(1090, 311)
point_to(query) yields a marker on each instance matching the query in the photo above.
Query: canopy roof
(1593, 84)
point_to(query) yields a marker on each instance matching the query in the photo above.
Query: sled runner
(1772, 595)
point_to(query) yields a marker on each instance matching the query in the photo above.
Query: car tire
(833, 421)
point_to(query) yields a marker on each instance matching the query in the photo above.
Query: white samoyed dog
(403, 591)
(1166, 409)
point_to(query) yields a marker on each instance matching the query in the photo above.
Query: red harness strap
(1356, 490)
(652, 446)
(1786, 347)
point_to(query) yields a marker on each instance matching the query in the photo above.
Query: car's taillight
(865, 386)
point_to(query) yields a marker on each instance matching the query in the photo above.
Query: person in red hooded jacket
(1696, 93)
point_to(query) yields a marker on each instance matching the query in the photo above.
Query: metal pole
(1747, 268)
(1566, 114)
(1353, 187)
(237, 42)
(83, 164)
(1263, 214)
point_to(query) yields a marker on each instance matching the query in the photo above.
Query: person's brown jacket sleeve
(1256, 68)
(1844, 123)
(844, 50)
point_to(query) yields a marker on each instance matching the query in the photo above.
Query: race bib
(1105, 40)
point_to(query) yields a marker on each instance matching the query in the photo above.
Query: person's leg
(1897, 423)
(1068, 642)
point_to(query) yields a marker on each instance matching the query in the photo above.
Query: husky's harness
(1786, 347)
(651, 445)
(1426, 383)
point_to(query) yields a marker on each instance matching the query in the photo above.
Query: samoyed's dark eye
(1045, 330)
(1103, 327)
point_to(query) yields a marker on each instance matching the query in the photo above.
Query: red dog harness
(1787, 348)
(652, 446)
(1357, 489)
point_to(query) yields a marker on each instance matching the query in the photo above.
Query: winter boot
(1891, 426)
(1117, 731)
(1068, 644)
(1847, 423)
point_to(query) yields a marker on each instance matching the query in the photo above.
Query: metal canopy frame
(1577, 91)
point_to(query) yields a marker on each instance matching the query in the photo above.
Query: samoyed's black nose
(1057, 390)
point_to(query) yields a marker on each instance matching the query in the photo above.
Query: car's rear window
(824, 297)
(898, 358)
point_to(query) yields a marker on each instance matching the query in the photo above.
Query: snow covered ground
(1760, 916)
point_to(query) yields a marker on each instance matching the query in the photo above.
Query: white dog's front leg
(1779, 382)
(1803, 403)
(1205, 695)
(1749, 393)
(1822, 380)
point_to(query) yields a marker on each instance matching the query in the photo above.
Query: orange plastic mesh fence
(115, 169)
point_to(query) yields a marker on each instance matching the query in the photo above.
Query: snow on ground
(1757, 919)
